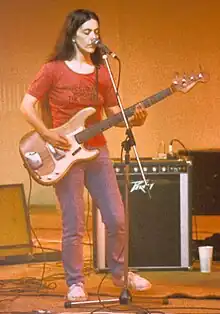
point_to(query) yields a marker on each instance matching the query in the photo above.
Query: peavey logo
(141, 186)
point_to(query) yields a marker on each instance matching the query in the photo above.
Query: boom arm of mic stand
(128, 131)
(105, 58)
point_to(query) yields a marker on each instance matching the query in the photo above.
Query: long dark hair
(64, 48)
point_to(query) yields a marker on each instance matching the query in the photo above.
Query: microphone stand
(129, 142)
(125, 296)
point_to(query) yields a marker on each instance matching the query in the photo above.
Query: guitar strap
(96, 83)
(45, 111)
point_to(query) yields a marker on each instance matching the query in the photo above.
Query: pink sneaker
(77, 293)
(135, 282)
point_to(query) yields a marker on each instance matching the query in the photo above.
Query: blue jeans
(99, 178)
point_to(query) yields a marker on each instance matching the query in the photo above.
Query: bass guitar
(47, 164)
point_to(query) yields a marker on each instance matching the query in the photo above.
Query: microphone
(104, 48)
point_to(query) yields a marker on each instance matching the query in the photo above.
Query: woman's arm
(30, 113)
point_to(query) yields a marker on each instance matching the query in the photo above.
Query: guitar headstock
(186, 82)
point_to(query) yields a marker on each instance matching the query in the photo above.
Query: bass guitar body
(48, 164)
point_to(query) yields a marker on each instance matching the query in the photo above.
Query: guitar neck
(106, 124)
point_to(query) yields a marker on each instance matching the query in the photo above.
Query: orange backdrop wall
(153, 38)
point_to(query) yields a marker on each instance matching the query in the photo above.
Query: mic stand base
(125, 297)
(71, 304)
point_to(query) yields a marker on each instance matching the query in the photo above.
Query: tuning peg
(200, 68)
(176, 78)
(201, 72)
(184, 79)
(192, 76)
(177, 75)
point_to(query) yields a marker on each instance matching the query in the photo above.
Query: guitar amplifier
(15, 234)
(160, 226)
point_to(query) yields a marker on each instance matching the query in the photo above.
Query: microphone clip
(104, 49)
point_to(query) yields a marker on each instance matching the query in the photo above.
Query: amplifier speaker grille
(15, 237)
(159, 221)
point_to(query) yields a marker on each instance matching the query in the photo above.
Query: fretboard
(106, 124)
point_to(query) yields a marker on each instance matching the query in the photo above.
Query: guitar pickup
(56, 152)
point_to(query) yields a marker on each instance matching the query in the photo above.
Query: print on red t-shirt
(69, 92)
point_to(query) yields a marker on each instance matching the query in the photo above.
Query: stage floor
(28, 287)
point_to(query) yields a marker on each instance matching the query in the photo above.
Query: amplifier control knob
(164, 169)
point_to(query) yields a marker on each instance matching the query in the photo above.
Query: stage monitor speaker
(160, 227)
(15, 235)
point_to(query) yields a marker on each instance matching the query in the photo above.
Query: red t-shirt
(70, 92)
